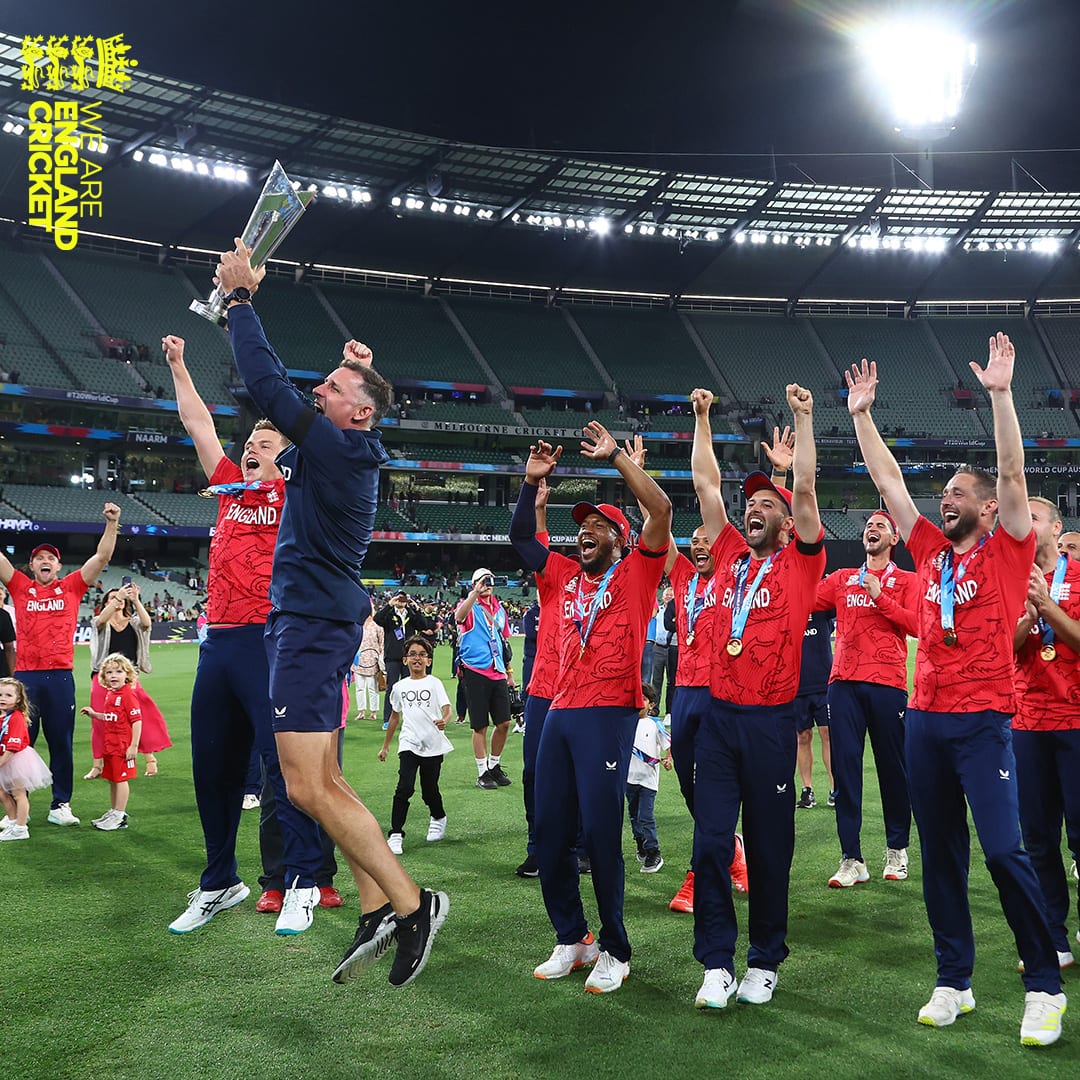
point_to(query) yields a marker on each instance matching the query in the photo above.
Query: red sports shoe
(684, 898)
(739, 879)
(329, 896)
(270, 901)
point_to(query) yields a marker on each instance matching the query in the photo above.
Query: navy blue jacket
(332, 487)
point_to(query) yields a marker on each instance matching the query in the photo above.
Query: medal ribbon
(741, 611)
(695, 605)
(238, 488)
(1045, 629)
(885, 574)
(949, 580)
(585, 629)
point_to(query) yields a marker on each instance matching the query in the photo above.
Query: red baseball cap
(758, 480)
(610, 513)
(45, 547)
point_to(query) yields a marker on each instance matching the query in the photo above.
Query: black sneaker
(496, 773)
(584, 866)
(652, 862)
(640, 848)
(806, 800)
(486, 782)
(374, 936)
(415, 933)
(528, 868)
(832, 799)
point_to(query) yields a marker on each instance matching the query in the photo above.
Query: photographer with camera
(401, 619)
(484, 653)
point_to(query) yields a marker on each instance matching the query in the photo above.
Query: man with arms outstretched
(973, 580)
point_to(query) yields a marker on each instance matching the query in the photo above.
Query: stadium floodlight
(600, 225)
(922, 70)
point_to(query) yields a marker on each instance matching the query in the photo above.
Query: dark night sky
(642, 79)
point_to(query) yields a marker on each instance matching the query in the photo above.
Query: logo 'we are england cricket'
(63, 187)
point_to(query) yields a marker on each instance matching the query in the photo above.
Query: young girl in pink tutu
(123, 626)
(21, 767)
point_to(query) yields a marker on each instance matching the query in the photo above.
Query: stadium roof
(414, 204)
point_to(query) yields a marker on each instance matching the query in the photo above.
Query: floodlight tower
(923, 70)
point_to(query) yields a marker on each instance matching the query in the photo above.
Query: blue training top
(332, 479)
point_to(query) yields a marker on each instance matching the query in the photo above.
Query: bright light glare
(601, 226)
(924, 71)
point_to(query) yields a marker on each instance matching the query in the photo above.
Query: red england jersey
(1048, 691)
(766, 672)
(695, 659)
(120, 711)
(242, 550)
(608, 673)
(545, 670)
(871, 635)
(977, 672)
(46, 616)
(17, 735)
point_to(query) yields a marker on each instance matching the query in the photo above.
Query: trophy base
(208, 311)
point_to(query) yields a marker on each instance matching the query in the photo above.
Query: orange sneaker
(739, 878)
(270, 902)
(683, 900)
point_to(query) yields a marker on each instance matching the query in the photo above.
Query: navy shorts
(810, 709)
(309, 659)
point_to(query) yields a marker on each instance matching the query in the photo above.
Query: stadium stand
(41, 503)
(188, 510)
(844, 525)
(410, 336)
(464, 412)
(456, 453)
(528, 344)
(298, 326)
(1064, 337)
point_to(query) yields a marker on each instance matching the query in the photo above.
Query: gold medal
(690, 638)
(950, 637)
(1048, 653)
(734, 646)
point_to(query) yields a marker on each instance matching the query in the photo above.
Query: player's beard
(769, 537)
(600, 558)
(959, 530)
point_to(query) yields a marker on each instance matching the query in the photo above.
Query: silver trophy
(277, 211)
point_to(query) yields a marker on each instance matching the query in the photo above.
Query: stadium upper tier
(56, 309)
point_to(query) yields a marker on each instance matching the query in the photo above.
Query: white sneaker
(1041, 1025)
(607, 974)
(436, 829)
(14, 832)
(393, 842)
(757, 986)
(62, 815)
(567, 958)
(895, 865)
(250, 802)
(717, 989)
(851, 872)
(945, 1005)
(203, 906)
(1065, 959)
(111, 821)
(297, 910)
(5, 821)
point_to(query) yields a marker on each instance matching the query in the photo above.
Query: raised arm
(1014, 513)
(7, 571)
(194, 414)
(92, 568)
(780, 454)
(599, 445)
(884, 471)
(541, 464)
(804, 506)
(704, 467)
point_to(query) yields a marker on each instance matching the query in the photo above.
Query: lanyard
(493, 638)
(885, 574)
(743, 603)
(949, 578)
(1045, 629)
(695, 605)
(585, 629)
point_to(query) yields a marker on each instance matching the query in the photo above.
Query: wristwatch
(239, 294)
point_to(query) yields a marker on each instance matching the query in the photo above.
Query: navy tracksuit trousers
(688, 709)
(536, 709)
(858, 709)
(952, 756)
(745, 755)
(52, 693)
(581, 767)
(230, 712)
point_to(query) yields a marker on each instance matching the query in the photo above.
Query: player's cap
(758, 480)
(480, 573)
(610, 513)
(889, 518)
(45, 547)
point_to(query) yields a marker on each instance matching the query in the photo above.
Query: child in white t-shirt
(652, 748)
(420, 703)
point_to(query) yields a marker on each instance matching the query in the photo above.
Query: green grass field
(96, 987)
